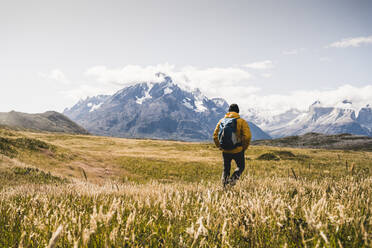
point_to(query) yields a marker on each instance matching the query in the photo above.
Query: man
(232, 135)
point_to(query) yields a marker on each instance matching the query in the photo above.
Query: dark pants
(240, 162)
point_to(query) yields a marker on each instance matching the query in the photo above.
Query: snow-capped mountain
(86, 106)
(154, 110)
(365, 118)
(270, 121)
(321, 119)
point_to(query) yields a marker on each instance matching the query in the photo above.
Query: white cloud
(279, 103)
(261, 65)
(56, 75)
(266, 75)
(189, 75)
(352, 42)
(102, 80)
(129, 74)
(84, 90)
(210, 77)
(211, 81)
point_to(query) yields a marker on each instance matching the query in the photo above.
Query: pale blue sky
(46, 47)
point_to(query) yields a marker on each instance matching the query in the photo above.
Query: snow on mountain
(166, 111)
(94, 107)
(365, 118)
(160, 110)
(146, 94)
(267, 120)
(83, 107)
(320, 119)
(220, 102)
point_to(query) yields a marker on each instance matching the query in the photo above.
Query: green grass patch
(27, 175)
(143, 169)
(268, 156)
(7, 148)
(11, 146)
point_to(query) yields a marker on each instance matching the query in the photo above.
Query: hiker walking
(232, 135)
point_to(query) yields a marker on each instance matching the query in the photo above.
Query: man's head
(234, 108)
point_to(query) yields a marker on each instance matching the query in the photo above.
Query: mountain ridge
(50, 121)
(160, 110)
(341, 118)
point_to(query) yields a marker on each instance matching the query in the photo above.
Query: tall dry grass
(267, 212)
(167, 194)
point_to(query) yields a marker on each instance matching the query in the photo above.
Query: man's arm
(215, 135)
(246, 135)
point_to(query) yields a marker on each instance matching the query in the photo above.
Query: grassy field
(61, 190)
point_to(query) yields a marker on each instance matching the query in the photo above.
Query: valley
(91, 191)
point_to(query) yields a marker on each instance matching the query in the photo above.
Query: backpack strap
(239, 143)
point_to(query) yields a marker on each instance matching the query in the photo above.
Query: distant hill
(158, 110)
(317, 140)
(50, 121)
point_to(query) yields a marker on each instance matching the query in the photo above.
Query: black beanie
(234, 108)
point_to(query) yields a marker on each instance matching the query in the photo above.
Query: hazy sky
(264, 54)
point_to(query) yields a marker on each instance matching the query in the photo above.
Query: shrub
(10, 146)
(6, 147)
(283, 154)
(268, 156)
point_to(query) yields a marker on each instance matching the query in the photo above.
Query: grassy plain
(87, 191)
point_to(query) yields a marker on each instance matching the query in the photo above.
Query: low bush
(268, 156)
(10, 146)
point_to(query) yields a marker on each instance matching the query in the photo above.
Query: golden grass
(268, 212)
(149, 193)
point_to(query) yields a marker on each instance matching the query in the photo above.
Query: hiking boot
(232, 182)
(225, 181)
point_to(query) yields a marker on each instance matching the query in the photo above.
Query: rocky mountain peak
(160, 110)
(166, 78)
(320, 118)
(317, 106)
(316, 103)
(220, 102)
(365, 117)
(345, 104)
